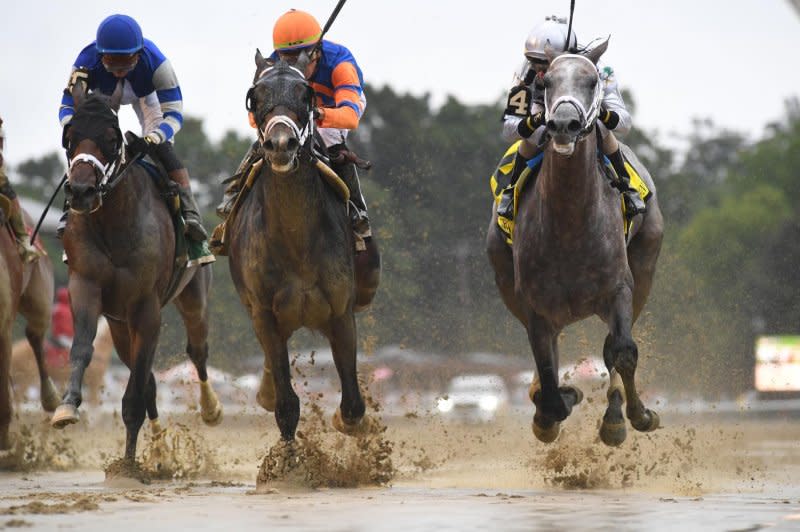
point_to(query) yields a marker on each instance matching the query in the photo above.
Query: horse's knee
(621, 353)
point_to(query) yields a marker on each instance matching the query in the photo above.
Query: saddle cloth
(500, 178)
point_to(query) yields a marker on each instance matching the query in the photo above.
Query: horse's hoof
(648, 422)
(49, 396)
(359, 428)
(547, 435)
(65, 414)
(613, 434)
(210, 407)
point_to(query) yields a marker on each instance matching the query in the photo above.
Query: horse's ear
(597, 51)
(302, 61)
(550, 52)
(261, 62)
(78, 92)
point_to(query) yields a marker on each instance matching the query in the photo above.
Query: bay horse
(24, 367)
(569, 258)
(120, 243)
(291, 248)
(27, 289)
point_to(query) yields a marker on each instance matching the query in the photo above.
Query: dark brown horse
(27, 289)
(291, 249)
(121, 246)
(569, 259)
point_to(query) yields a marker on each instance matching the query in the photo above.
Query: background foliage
(727, 270)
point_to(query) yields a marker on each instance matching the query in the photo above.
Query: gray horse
(569, 259)
(291, 248)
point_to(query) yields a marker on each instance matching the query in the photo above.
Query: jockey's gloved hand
(529, 124)
(609, 118)
(137, 144)
(154, 138)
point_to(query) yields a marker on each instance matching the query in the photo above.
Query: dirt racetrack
(709, 471)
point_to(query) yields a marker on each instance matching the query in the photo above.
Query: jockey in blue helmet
(120, 52)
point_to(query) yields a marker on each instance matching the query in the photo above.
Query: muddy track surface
(413, 472)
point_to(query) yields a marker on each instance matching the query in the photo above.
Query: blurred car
(587, 370)
(474, 398)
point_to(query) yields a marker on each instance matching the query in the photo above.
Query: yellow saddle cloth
(501, 177)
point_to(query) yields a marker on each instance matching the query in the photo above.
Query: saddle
(499, 180)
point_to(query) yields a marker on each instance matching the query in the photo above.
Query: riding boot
(506, 206)
(358, 206)
(237, 180)
(26, 249)
(191, 214)
(634, 204)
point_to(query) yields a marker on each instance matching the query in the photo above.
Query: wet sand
(704, 472)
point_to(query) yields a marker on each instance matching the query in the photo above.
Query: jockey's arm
(170, 100)
(148, 110)
(612, 101)
(349, 99)
(511, 120)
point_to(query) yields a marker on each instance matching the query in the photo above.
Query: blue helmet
(119, 34)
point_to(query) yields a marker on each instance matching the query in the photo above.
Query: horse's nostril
(269, 146)
(574, 126)
(551, 125)
(293, 144)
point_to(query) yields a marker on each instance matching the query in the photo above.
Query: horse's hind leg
(5, 388)
(621, 353)
(502, 262)
(342, 336)
(192, 304)
(36, 306)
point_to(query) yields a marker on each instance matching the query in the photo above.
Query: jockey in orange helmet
(338, 83)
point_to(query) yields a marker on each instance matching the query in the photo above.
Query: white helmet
(552, 31)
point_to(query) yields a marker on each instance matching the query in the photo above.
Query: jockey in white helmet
(523, 117)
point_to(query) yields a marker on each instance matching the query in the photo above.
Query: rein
(588, 116)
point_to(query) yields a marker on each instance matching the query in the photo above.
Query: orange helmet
(295, 29)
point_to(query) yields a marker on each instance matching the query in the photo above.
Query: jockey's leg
(26, 250)
(634, 204)
(528, 149)
(235, 185)
(180, 175)
(358, 206)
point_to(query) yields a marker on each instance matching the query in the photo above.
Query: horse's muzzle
(281, 149)
(82, 197)
(564, 127)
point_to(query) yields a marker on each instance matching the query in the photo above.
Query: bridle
(588, 117)
(302, 135)
(107, 176)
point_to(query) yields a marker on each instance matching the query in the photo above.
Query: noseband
(587, 116)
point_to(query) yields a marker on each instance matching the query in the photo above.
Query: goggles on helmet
(118, 63)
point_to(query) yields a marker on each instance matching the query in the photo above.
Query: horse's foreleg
(276, 359)
(621, 353)
(502, 262)
(193, 308)
(144, 326)
(84, 318)
(342, 336)
(553, 404)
